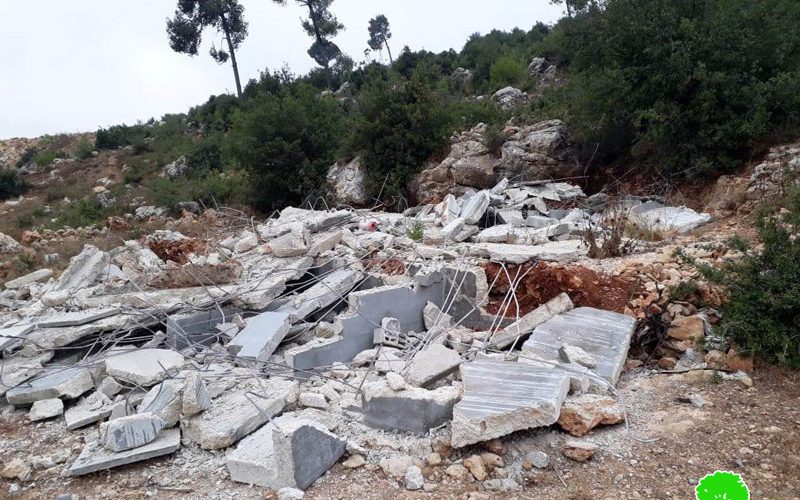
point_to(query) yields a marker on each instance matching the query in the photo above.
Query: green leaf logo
(722, 485)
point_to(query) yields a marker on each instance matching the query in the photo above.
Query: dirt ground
(753, 431)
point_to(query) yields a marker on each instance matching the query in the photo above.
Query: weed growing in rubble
(762, 313)
(683, 290)
(415, 231)
(611, 242)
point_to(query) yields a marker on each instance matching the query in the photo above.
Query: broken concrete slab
(413, 409)
(130, 432)
(46, 408)
(236, 414)
(501, 233)
(10, 336)
(84, 269)
(41, 274)
(17, 369)
(93, 408)
(431, 365)
(326, 292)
(314, 220)
(324, 242)
(505, 397)
(262, 335)
(77, 318)
(144, 367)
(292, 244)
(165, 401)
(526, 324)
(66, 383)
(668, 219)
(95, 458)
(475, 207)
(604, 335)
(197, 327)
(555, 251)
(289, 452)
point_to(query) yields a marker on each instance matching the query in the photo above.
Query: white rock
(46, 408)
(414, 479)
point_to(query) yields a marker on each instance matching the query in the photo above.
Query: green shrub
(762, 313)
(10, 184)
(84, 149)
(215, 188)
(82, 213)
(167, 193)
(133, 175)
(119, 136)
(26, 157)
(494, 138)
(508, 70)
(44, 158)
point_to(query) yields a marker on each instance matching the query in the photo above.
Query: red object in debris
(368, 226)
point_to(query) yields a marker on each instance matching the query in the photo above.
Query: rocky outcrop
(347, 182)
(539, 151)
(509, 98)
(541, 71)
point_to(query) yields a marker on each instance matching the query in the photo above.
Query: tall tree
(379, 34)
(322, 25)
(193, 16)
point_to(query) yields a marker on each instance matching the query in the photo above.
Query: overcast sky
(76, 65)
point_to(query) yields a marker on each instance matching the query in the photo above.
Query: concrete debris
(504, 397)
(605, 336)
(46, 408)
(526, 324)
(579, 451)
(431, 365)
(262, 335)
(95, 457)
(165, 401)
(144, 367)
(195, 395)
(290, 494)
(414, 480)
(292, 244)
(130, 432)
(40, 275)
(84, 269)
(290, 452)
(65, 383)
(658, 218)
(93, 408)
(11, 336)
(77, 318)
(413, 409)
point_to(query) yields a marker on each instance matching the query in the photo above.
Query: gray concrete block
(431, 365)
(46, 408)
(165, 401)
(505, 397)
(556, 251)
(41, 274)
(196, 328)
(289, 452)
(526, 324)
(77, 318)
(95, 458)
(18, 369)
(262, 335)
(130, 432)
(93, 408)
(236, 414)
(84, 269)
(413, 409)
(66, 383)
(195, 395)
(604, 335)
(144, 367)
(12, 335)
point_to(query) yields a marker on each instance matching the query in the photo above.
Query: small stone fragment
(313, 400)
(579, 451)
(395, 381)
(354, 461)
(476, 467)
(195, 395)
(290, 494)
(46, 408)
(581, 414)
(538, 459)
(16, 469)
(414, 480)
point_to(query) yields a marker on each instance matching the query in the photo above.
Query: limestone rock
(16, 469)
(581, 414)
(579, 451)
(476, 467)
(413, 478)
(46, 408)
(347, 182)
(687, 328)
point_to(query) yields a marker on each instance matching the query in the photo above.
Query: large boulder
(542, 71)
(509, 98)
(9, 244)
(539, 151)
(347, 182)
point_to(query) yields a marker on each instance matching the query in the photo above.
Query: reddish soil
(543, 282)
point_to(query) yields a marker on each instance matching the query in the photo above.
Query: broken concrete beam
(324, 242)
(77, 318)
(165, 401)
(66, 383)
(555, 251)
(17, 369)
(413, 409)
(130, 432)
(604, 335)
(93, 408)
(526, 324)
(41, 274)
(505, 397)
(289, 452)
(95, 458)
(431, 365)
(195, 328)
(326, 292)
(262, 335)
(46, 408)
(195, 395)
(475, 207)
(236, 414)
(84, 269)
(144, 367)
(12, 335)
(292, 244)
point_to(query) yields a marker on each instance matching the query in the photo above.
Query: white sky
(76, 65)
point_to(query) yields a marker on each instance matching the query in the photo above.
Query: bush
(167, 193)
(44, 158)
(508, 70)
(10, 184)
(26, 157)
(119, 136)
(84, 149)
(82, 213)
(762, 313)
(286, 143)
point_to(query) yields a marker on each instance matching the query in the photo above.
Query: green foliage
(286, 143)
(10, 184)
(762, 314)
(494, 138)
(215, 188)
(398, 125)
(164, 192)
(689, 87)
(683, 290)
(416, 231)
(84, 149)
(119, 136)
(26, 157)
(44, 158)
(133, 175)
(508, 70)
(82, 213)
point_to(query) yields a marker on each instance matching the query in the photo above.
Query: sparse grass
(683, 290)
(613, 243)
(416, 231)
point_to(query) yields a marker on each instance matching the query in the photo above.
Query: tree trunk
(386, 42)
(569, 9)
(233, 56)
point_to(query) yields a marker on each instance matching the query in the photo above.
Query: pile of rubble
(289, 341)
